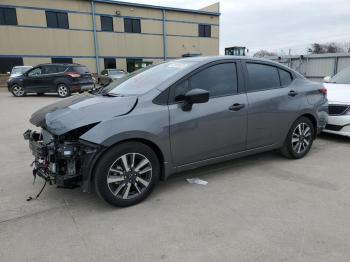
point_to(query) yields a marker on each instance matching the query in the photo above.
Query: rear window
(80, 69)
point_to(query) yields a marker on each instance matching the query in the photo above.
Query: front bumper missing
(59, 162)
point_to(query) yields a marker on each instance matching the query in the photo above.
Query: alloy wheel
(62, 90)
(301, 138)
(129, 175)
(17, 90)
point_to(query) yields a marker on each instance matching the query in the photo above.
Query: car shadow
(334, 138)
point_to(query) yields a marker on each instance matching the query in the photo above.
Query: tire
(17, 90)
(297, 146)
(63, 90)
(120, 185)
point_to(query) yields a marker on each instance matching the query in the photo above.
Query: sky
(275, 25)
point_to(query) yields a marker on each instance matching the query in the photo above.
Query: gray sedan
(172, 117)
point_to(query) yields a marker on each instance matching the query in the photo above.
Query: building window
(132, 25)
(8, 16)
(110, 63)
(57, 19)
(204, 30)
(107, 23)
(62, 60)
(6, 63)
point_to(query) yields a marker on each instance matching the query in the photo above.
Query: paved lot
(261, 208)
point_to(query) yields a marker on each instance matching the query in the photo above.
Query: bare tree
(264, 53)
(332, 47)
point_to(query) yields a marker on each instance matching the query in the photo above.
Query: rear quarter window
(285, 77)
(81, 69)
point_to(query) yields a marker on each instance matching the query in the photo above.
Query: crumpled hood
(338, 93)
(81, 110)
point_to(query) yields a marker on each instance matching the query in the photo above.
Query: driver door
(212, 129)
(33, 81)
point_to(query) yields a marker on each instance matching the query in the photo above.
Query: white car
(18, 70)
(338, 88)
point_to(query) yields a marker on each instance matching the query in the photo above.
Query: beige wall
(79, 44)
(33, 61)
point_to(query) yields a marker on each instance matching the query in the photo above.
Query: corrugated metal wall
(316, 67)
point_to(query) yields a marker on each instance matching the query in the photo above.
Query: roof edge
(204, 12)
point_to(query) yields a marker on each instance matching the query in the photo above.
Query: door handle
(292, 93)
(236, 107)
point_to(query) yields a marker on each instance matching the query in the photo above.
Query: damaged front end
(61, 160)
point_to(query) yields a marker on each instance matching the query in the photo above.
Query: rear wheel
(17, 90)
(299, 139)
(63, 90)
(126, 174)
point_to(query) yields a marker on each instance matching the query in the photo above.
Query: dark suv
(48, 78)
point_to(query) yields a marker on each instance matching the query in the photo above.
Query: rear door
(274, 103)
(212, 129)
(50, 74)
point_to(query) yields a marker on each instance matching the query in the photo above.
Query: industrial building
(103, 33)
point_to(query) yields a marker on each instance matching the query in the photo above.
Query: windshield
(343, 77)
(20, 70)
(116, 72)
(145, 79)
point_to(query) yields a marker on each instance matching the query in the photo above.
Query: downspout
(95, 36)
(164, 37)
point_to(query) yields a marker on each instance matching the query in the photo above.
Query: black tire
(124, 192)
(17, 90)
(296, 146)
(63, 90)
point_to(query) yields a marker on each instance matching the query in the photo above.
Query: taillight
(72, 74)
(323, 90)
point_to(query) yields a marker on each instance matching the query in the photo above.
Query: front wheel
(63, 90)
(299, 139)
(126, 174)
(17, 90)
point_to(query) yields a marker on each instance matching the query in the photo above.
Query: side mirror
(194, 96)
(327, 79)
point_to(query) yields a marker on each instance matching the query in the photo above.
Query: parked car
(108, 75)
(18, 71)
(172, 117)
(48, 78)
(338, 88)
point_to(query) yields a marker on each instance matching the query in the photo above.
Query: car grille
(336, 110)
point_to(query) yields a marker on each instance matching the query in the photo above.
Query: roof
(158, 7)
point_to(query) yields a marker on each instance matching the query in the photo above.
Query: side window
(285, 77)
(262, 77)
(218, 80)
(49, 70)
(61, 69)
(35, 72)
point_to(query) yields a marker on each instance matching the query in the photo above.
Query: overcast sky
(275, 25)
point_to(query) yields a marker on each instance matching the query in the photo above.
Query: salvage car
(109, 75)
(62, 79)
(172, 117)
(18, 71)
(338, 88)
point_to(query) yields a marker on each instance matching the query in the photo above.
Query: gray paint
(209, 133)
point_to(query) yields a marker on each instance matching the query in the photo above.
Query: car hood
(81, 110)
(338, 93)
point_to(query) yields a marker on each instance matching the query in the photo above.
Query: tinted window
(204, 30)
(6, 63)
(106, 23)
(285, 77)
(57, 19)
(218, 80)
(62, 60)
(262, 77)
(132, 25)
(49, 69)
(8, 16)
(61, 68)
(110, 63)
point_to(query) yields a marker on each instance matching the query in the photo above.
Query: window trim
(205, 26)
(247, 78)
(171, 98)
(131, 19)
